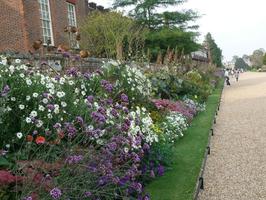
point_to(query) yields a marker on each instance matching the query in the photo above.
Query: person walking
(237, 75)
(226, 75)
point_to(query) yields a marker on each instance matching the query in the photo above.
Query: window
(46, 22)
(71, 14)
(72, 21)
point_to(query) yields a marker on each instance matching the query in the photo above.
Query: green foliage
(264, 59)
(179, 182)
(214, 51)
(241, 64)
(257, 58)
(167, 29)
(112, 35)
(161, 40)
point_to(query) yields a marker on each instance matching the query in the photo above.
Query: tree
(146, 12)
(241, 64)
(257, 58)
(264, 59)
(215, 53)
(112, 35)
(167, 29)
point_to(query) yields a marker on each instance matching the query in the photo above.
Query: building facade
(25, 21)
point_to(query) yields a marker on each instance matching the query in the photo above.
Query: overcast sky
(238, 26)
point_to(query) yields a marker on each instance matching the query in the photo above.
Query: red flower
(40, 140)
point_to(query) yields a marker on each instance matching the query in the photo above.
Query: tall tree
(257, 58)
(167, 29)
(146, 11)
(264, 59)
(215, 53)
(241, 64)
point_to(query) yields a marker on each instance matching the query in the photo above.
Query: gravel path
(236, 168)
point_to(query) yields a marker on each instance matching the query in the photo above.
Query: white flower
(22, 75)
(56, 110)
(82, 86)
(28, 98)
(21, 107)
(8, 108)
(8, 146)
(42, 82)
(19, 135)
(63, 104)
(33, 113)
(76, 90)
(71, 82)
(83, 93)
(45, 101)
(49, 115)
(11, 69)
(39, 123)
(25, 67)
(13, 98)
(126, 150)
(62, 80)
(56, 106)
(60, 94)
(17, 61)
(28, 81)
(35, 94)
(41, 108)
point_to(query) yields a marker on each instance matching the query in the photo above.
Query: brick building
(25, 21)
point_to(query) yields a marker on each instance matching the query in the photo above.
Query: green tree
(215, 53)
(146, 12)
(257, 58)
(167, 29)
(112, 35)
(264, 59)
(241, 64)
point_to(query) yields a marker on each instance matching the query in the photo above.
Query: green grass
(179, 182)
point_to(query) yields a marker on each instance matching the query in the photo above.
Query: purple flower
(98, 117)
(57, 77)
(90, 99)
(107, 86)
(72, 72)
(87, 75)
(55, 193)
(5, 90)
(146, 147)
(66, 54)
(79, 120)
(74, 159)
(114, 113)
(146, 197)
(71, 130)
(57, 126)
(124, 98)
(50, 106)
(137, 187)
(135, 157)
(152, 174)
(112, 146)
(160, 170)
(87, 194)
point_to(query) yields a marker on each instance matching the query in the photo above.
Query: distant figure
(226, 75)
(237, 75)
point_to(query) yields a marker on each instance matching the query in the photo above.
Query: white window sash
(45, 29)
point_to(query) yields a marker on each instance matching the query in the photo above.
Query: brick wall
(12, 29)
(20, 23)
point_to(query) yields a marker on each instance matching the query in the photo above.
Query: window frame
(43, 20)
(73, 12)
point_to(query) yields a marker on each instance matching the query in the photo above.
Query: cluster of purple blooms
(5, 91)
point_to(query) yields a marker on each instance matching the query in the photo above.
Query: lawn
(179, 182)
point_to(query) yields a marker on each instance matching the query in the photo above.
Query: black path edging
(200, 181)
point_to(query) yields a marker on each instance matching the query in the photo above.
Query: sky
(237, 26)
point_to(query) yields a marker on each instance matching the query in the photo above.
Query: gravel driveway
(236, 168)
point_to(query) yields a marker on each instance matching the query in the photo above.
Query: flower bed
(85, 135)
